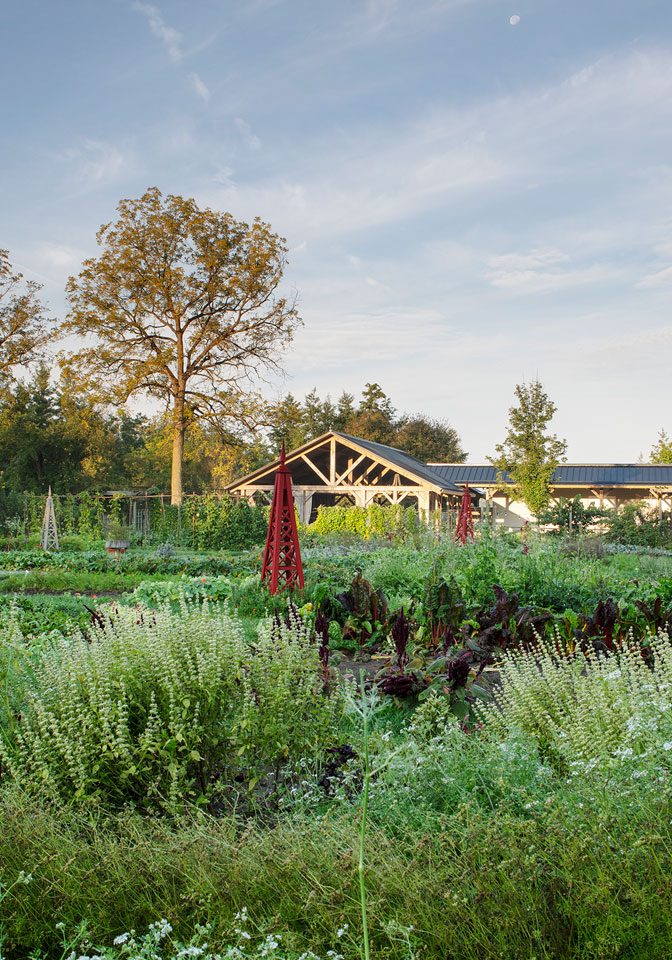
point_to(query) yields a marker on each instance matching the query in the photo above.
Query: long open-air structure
(338, 468)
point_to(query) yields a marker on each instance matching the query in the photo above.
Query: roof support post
(304, 504)
(361, 498)
(332, 461)
(424, 505)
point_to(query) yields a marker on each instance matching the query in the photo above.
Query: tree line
(53, 434)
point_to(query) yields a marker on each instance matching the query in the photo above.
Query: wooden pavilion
(336, 467)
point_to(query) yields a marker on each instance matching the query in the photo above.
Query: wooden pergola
(336, 467)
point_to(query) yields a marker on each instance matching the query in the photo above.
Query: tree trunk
(178, 453)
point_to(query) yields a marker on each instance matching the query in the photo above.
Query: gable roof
(567, 474)
(393, 458)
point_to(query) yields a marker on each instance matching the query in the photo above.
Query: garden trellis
(49, 537)
(282, 565)
(465, 522)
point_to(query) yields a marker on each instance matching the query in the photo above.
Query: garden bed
(217, 763)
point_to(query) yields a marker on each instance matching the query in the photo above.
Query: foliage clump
(160, 711)
(374, 521)
(529, 454)
(24, 327)
(662, 451)
(636, 526)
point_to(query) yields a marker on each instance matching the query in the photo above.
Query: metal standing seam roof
(568, 474)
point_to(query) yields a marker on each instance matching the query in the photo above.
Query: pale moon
(514, 20)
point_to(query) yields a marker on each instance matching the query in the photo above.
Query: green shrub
(571, 516)
(633, 524)
(98, 561)
(160, 711)
(375, 521)
(17, 661)
(156, 593)
(36, 614)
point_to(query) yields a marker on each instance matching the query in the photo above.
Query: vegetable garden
(184, 757)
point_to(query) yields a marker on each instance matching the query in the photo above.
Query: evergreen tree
(374, 419)
(51, 434)
(345, 411)
(529, 454)
(287, 424)
(318, 415)
(36, 448)
(662, 451)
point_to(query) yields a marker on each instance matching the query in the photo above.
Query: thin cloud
(532, 260)
(549, 281)
(95, 162)
(391, 19)
(382, 175)
(169, 36)
(657, 279)
(250, 139)
(542, 271)
(58, 257)
(199, 87)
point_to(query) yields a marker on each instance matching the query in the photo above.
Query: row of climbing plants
(204, 522)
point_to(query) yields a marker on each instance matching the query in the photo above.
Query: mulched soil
(371, 666)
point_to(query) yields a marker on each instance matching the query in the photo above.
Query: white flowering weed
(162, 708)
(159, 944)
(587, 708)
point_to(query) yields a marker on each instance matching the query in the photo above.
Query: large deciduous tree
(433, 441)
(183, 305)
(530, 454)
(23, 321)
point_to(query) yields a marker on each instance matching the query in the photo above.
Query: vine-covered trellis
(203, 522)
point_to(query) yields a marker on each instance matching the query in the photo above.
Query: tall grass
(568, 880)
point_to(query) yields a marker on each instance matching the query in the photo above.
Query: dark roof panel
(465, 473)
(568, 474)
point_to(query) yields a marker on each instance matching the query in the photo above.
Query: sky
(473, 192)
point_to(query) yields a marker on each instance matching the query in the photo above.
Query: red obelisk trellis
(282, 557)
(465, 522)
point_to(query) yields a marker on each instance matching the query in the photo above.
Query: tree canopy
(183, 306)
(529, 453)
(430, 440)
(24, 326)
(373, 418)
